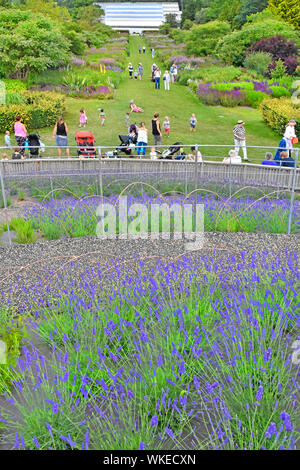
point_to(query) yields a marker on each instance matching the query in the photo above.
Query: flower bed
(138, 364)
(246, 93)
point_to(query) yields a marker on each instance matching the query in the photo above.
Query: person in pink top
(83, 118)
(20, 134)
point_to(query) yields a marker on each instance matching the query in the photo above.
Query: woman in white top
(142, 139)
(166, 79)
(290, 134)
(233, 158)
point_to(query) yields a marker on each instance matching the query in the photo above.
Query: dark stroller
(127, 144)
(172, 151)
(86, 144)
(34, 145)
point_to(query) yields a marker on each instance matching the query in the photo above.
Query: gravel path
(24, 265)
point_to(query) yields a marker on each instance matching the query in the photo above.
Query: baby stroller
(172, 151)
(34, 145)
(86, 144)
(127, 144)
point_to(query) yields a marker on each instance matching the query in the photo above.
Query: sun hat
(293, 121)
(240, 121)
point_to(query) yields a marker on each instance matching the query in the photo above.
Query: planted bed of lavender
(77, 217)
(197, 355)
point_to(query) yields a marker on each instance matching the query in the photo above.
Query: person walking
(60, 132)
(20, 134)
(140, 49)
(166, 125)
(130, 69)
(7, 139)
(83, 118)
(175, 71)
(152, 52)
(172, 73)
(142, 139)
(290, 135)
(166, 79)
(156, 131)
(144, 49)
(193, 122)
(239, 134)
(157, 75)
(141, 71)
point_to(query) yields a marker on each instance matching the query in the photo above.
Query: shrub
(277, 113)
(259, 62)
(232, 48)
(24, 229)
(291, 64)
(277, 46)
(277, 69)
(39, 109)
(202, 39)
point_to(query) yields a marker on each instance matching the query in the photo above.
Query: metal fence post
(185, 175)
(230, 174)
(100, 174)
(195, 187)
(4, 203)
(293, 193)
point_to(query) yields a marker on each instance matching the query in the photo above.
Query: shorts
(193, 126)
(167, 130)
(62, 141)
(130, 74)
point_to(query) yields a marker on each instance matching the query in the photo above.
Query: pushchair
(174, 149)
(86, 144)
(34, 145)
(127, 144)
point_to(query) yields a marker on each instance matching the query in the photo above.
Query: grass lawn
(214, 126)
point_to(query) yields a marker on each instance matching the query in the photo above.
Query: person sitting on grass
(17, 155)
(269, 160)
(286, 160)
(233, 158)
(135, 108)
(191, 156)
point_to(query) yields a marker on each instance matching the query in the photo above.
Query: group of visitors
(140, 49)
(137, 72)
(169, 76)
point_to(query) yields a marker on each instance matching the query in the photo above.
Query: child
(135, 74)
(153, 154)
(130, 69)
(127, 120)
(4, 156)
(166, 125)
(7, 139)
(83, 118)
(102, 116)
(193, 122)
(16, 155)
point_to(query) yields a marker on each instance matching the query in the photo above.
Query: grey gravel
(26, 265)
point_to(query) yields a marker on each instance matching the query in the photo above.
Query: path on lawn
(215, 123)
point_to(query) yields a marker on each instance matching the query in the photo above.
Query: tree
(202, 39)
(248, 8)
(231, 48)
(230, 10)
(50, 9)
(171, 19)
(30, 43)
(289, 10)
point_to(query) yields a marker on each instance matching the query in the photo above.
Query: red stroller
(86, 144)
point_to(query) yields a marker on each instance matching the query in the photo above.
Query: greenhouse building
(138, 17)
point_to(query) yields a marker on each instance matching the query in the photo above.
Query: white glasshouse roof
(138, 16)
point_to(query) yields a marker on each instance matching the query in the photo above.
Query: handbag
(295, 140)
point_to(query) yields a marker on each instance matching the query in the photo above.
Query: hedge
(278, 112)
(40, 109)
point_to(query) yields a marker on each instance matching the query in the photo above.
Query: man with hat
(239, 134)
